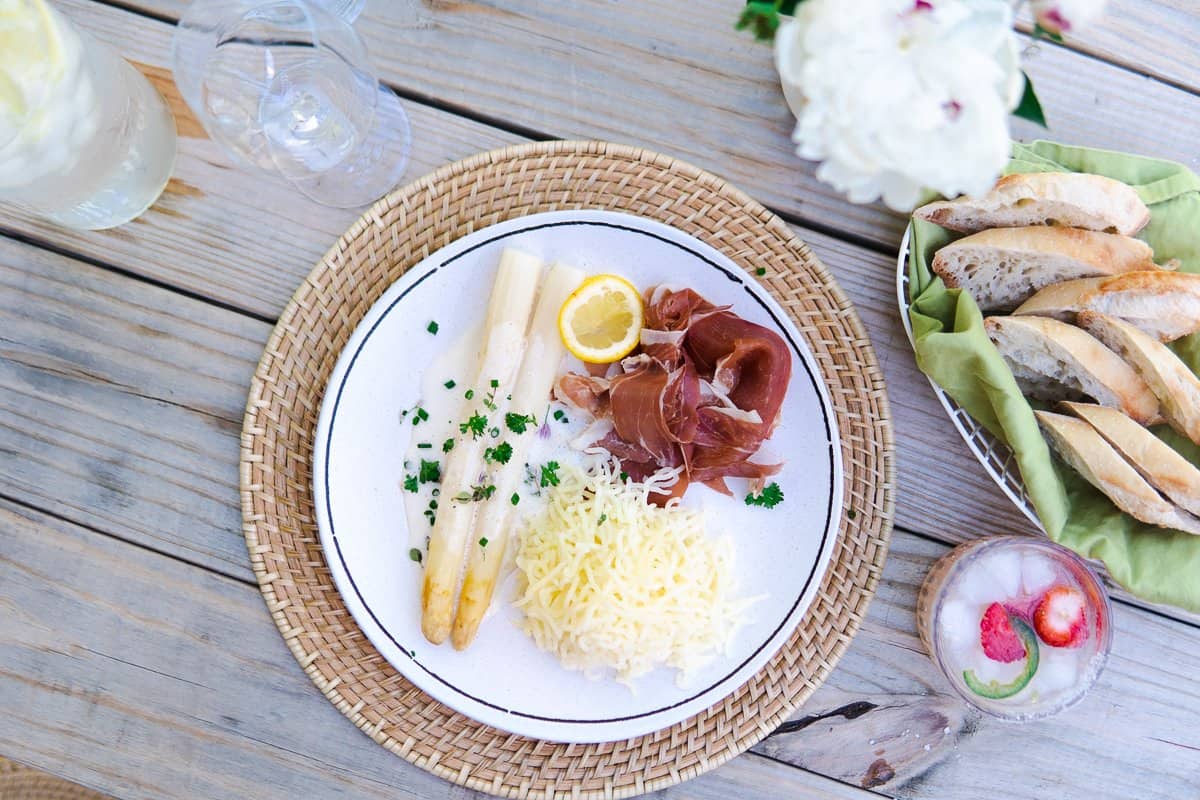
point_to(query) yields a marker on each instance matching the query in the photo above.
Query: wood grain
(139, 675)
(579, 70)
(1159, 38)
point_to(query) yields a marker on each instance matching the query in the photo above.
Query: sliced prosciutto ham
(702, 393)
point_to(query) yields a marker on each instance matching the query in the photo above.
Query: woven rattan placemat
(285, 399)
(18, 782)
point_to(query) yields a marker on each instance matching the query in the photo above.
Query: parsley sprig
(517, 423)
(769, 497)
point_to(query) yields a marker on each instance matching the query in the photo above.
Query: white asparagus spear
(543, 353)
(509, 307)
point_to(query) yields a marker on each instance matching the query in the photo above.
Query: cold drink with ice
(85, 140)
(1019, 625)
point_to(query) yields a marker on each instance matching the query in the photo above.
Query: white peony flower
(901, 95)
(1066, 16)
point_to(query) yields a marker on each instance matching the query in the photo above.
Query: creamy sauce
(446, 408)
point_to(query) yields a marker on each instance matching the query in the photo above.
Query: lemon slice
(602, 319)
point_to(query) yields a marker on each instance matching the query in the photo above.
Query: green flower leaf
(1030, 107)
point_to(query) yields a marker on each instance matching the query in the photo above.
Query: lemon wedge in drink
(601, 321)
(33, 55)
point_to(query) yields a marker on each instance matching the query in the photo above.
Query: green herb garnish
(476, 424)
(432, 327)
(549, 474)
(760, 271)
(559, 415)
(603, 518)
(410, 483)
(483, 541)
(469, 394)
(430, 472)
(501, 453)
(517, 423)
(450, 384)
(423, 445)
(415, 555)
(447, 445)
(516, 498)
(478, 492)
(769, 497)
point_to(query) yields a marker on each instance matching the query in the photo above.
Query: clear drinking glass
(286, 87)
(1019, 573)
(85, 140)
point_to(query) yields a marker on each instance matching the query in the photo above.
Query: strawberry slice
(1000, 642)
(1060, 617)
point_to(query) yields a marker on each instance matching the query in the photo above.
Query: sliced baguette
(1086, 451)
(1176, 386)
(1155, 460)
(1054, 361)
(1004, 267)
(1073, 199)
(1162, 303)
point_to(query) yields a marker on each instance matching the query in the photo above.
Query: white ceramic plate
(503, 680)
(993, 454)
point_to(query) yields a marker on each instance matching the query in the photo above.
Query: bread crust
(1075, 361)
(1088, 453)
(1164, 304)
(1004, 267)
(1175, 385)
(1155, 460)
(1074, 199)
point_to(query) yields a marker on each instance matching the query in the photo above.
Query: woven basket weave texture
(285, 399)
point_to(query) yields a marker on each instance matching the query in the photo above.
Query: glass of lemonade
(1020, 626)
(85, 140)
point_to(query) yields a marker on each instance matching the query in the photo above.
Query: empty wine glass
(285, 86)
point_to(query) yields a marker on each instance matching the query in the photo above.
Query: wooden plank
(207, 233)
(579, 70)
(1159, 38)
(141, 676)
(942, 491)
(121, 405)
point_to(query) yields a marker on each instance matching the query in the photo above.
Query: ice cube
(1004, 568)
(959, 624)
(1057, 671)
(1037, 574)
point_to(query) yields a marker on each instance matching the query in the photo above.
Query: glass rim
(1095, 589)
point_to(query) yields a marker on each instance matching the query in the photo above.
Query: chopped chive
(483, 541)
(494, 432)
(423, 445)
(760, 271)
(469, 394)
(495, 383)
(431, 472)
(516, 498)
(447, 445)
(558, 414)
(432, 327)
(415, 555)
(423, 414)
(602, 519)
(450, 384)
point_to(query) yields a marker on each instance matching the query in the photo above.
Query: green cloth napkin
(1153, 563)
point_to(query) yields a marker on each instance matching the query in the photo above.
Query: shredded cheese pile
(610, 581)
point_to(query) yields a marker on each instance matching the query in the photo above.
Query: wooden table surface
(136, 654)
